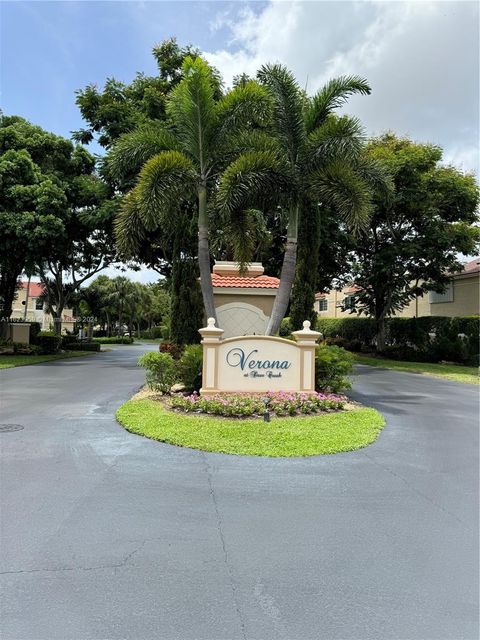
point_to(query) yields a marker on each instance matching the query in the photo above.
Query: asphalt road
(106, 535)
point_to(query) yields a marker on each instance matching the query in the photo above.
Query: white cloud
(421, 59)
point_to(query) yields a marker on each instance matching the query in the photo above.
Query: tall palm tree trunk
(287, 276)
(204, 255)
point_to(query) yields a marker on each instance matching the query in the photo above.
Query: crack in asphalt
(118, 565)
(414, 489)
(224, 547)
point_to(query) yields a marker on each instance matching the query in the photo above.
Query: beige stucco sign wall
(257, 363)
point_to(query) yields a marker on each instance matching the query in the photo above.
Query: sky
(421, 58)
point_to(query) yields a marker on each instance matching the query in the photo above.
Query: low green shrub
(189, 367)
(19, 348)
(280, 403)
(26, 349)
(161, 373)
(332, 366)
(286, 328)
(48, 341)
(35, 328)
(403, 352)
(114, 340)
(82, 346)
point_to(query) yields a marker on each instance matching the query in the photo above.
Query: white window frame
(323, 301)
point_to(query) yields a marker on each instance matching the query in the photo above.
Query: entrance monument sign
(257, 363)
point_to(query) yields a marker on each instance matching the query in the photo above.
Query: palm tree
(181, 161)
(312, 158)
(122, 293)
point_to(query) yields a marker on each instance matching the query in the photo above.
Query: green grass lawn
(458, 373)
(149, 340)
(7, 362)
(282, 437)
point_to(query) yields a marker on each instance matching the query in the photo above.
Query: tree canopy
(44, 179)
(413, 241)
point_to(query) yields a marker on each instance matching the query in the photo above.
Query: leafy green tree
(40, 174)
(412, 242)
(95, 302)
(314, 160)
(123, 296)
(85, 246)
(120, 108)
(158, 305)
(180, 163)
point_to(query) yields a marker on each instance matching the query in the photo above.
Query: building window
(446, 296)
(323, 304)
(348, 303)
(39, 304)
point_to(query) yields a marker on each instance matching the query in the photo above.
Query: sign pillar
(211, 340)
(306, 342)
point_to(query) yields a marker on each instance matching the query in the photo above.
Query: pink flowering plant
(280, 403)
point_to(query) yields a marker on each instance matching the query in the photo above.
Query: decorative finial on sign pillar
(211, 332)
(306, 335)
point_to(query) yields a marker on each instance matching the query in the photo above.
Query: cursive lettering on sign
(238, 358)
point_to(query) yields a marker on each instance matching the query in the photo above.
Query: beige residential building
(460, 299)
(36, 309)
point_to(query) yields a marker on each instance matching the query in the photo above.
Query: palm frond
(246, 105)
(287, 112)
(338, 185)
(164, 181)
(377, 177)
(191, 106)
(338, 138)
(254, 180)
(131, 152)
(247, 141)
(129, 228)
(332, 96)
(241, 234)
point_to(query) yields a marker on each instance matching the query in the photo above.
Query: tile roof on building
(245, 282)
(470, 267)
(35, 290)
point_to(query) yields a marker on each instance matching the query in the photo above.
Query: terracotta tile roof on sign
(35, 290)
(239, 282)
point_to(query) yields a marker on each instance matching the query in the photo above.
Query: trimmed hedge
(410, 338)
(362, 329)
(155, 333)
(114, 340)
(48, 342)
(82, 346)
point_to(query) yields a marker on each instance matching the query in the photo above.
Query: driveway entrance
(109, 535)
